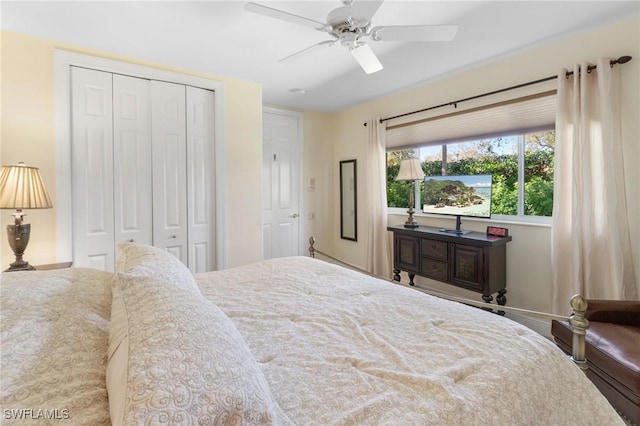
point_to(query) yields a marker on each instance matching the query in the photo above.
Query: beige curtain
(379, 250)
(591, 247)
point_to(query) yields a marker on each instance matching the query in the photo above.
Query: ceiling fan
(351, 23)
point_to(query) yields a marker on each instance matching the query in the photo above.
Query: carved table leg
(487, 298)
(411, 277)
(501, 299)
(396, 274)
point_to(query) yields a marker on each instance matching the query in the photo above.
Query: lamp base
(19, 266)
(18, 236)
(410, 223)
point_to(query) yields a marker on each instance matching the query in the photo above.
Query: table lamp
(21, 187)
(410, 170)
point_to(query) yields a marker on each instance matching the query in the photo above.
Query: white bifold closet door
(92, 169)
(132, 180)
(200, 178)
(142, 158)
(169, 167)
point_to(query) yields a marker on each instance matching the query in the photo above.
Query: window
(521, 165)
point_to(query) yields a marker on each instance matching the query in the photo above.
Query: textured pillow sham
(186, 363)
(54, 332)
(144, 260)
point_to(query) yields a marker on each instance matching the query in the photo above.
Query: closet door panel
(92, 168)
(169, 168)
(132, 160)
(200, 179)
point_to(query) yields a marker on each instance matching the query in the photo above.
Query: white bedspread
(54, 333)
(338, 347)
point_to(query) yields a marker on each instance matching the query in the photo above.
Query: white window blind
(518, 115)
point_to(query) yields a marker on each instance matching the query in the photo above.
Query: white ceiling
(220, 37)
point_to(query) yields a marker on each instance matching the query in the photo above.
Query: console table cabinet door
(407, 251)
(468, 267)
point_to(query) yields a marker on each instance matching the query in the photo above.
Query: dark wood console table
(474, 261)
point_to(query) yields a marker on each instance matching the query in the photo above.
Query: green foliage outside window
(397, 191)
(487, 157)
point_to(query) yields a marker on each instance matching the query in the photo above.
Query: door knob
(294, 215)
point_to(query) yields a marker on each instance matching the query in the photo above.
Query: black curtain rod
(620, 60)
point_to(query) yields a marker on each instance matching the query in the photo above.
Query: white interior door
(169, 168)
(200, 180)
(281, 162)
(92, 169)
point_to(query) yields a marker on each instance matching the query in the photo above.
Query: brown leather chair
(612, 352)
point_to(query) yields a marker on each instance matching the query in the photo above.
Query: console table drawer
(434, 249)
(434, 269)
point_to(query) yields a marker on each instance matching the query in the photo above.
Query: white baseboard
(540, 326)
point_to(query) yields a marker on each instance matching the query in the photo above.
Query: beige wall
(529, 264)
(318, 165)
(27, 134)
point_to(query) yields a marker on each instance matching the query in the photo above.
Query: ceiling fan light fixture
(366, 58)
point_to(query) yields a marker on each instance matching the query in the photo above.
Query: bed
(284, 341)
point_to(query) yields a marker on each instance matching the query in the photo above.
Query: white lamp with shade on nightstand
(21, 187)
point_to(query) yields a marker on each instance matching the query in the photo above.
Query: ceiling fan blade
(307, 49)
(365, 8)
(366, 58)
(285, 16)
(414, 33)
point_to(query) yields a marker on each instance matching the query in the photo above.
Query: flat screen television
(460, 196)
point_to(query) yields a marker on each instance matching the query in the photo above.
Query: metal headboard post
(312, 249)
(579, 326)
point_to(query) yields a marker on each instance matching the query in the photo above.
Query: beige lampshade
(21, 187)
(410, 170)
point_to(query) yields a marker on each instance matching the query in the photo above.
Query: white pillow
(144, 260)
(177, 358)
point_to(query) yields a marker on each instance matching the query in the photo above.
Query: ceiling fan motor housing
(341, 21)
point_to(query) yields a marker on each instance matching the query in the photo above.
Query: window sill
(544, 222)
